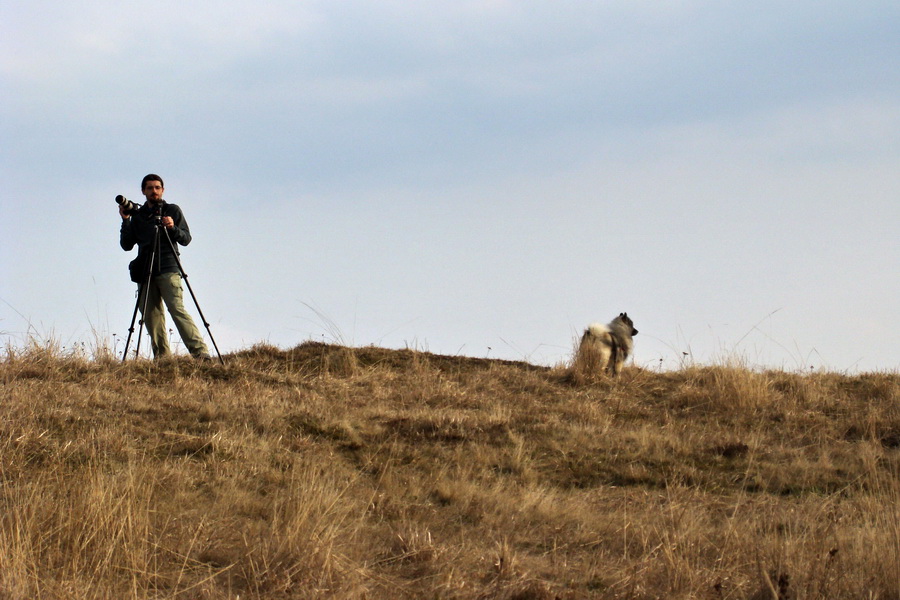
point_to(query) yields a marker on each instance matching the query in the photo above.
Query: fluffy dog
(604, 348)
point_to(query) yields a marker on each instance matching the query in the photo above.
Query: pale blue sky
(483, 178)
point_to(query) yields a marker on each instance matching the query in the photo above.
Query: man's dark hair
(151, 177)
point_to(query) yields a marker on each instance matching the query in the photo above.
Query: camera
(128, 207)
(133, 208)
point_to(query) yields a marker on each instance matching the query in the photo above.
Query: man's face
(153, 190)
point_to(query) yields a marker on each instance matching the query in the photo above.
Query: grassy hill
(333, 472)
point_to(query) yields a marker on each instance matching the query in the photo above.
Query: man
(165, 280)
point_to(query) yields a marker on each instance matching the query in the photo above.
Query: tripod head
(155, 210)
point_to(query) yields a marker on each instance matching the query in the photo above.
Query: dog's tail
(591, 356)
(597, 330)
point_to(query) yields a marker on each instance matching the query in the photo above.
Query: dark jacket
(140, 230)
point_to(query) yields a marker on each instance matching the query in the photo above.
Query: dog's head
(624, 318)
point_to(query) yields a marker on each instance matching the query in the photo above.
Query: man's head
(152, 187)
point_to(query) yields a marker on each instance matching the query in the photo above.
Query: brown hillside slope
(330, 472)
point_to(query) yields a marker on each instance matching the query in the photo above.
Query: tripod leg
(143, 294)
(131, 328)
(202, 317)
(193, 297)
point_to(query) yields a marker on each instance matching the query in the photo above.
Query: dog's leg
(614, 361)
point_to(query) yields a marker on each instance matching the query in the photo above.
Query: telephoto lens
(127, 205)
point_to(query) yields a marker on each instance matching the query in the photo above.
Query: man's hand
(123, 214)
(168, 223)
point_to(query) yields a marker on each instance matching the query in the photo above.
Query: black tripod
(144, 290)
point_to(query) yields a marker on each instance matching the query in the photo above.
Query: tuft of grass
(324, 471)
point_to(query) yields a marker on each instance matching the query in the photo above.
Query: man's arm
(177, 226)
(127, 238)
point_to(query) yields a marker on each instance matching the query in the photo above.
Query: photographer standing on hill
(139, 228)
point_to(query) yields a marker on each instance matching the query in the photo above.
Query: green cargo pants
(166, 287)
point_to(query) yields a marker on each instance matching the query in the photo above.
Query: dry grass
(331, 472)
